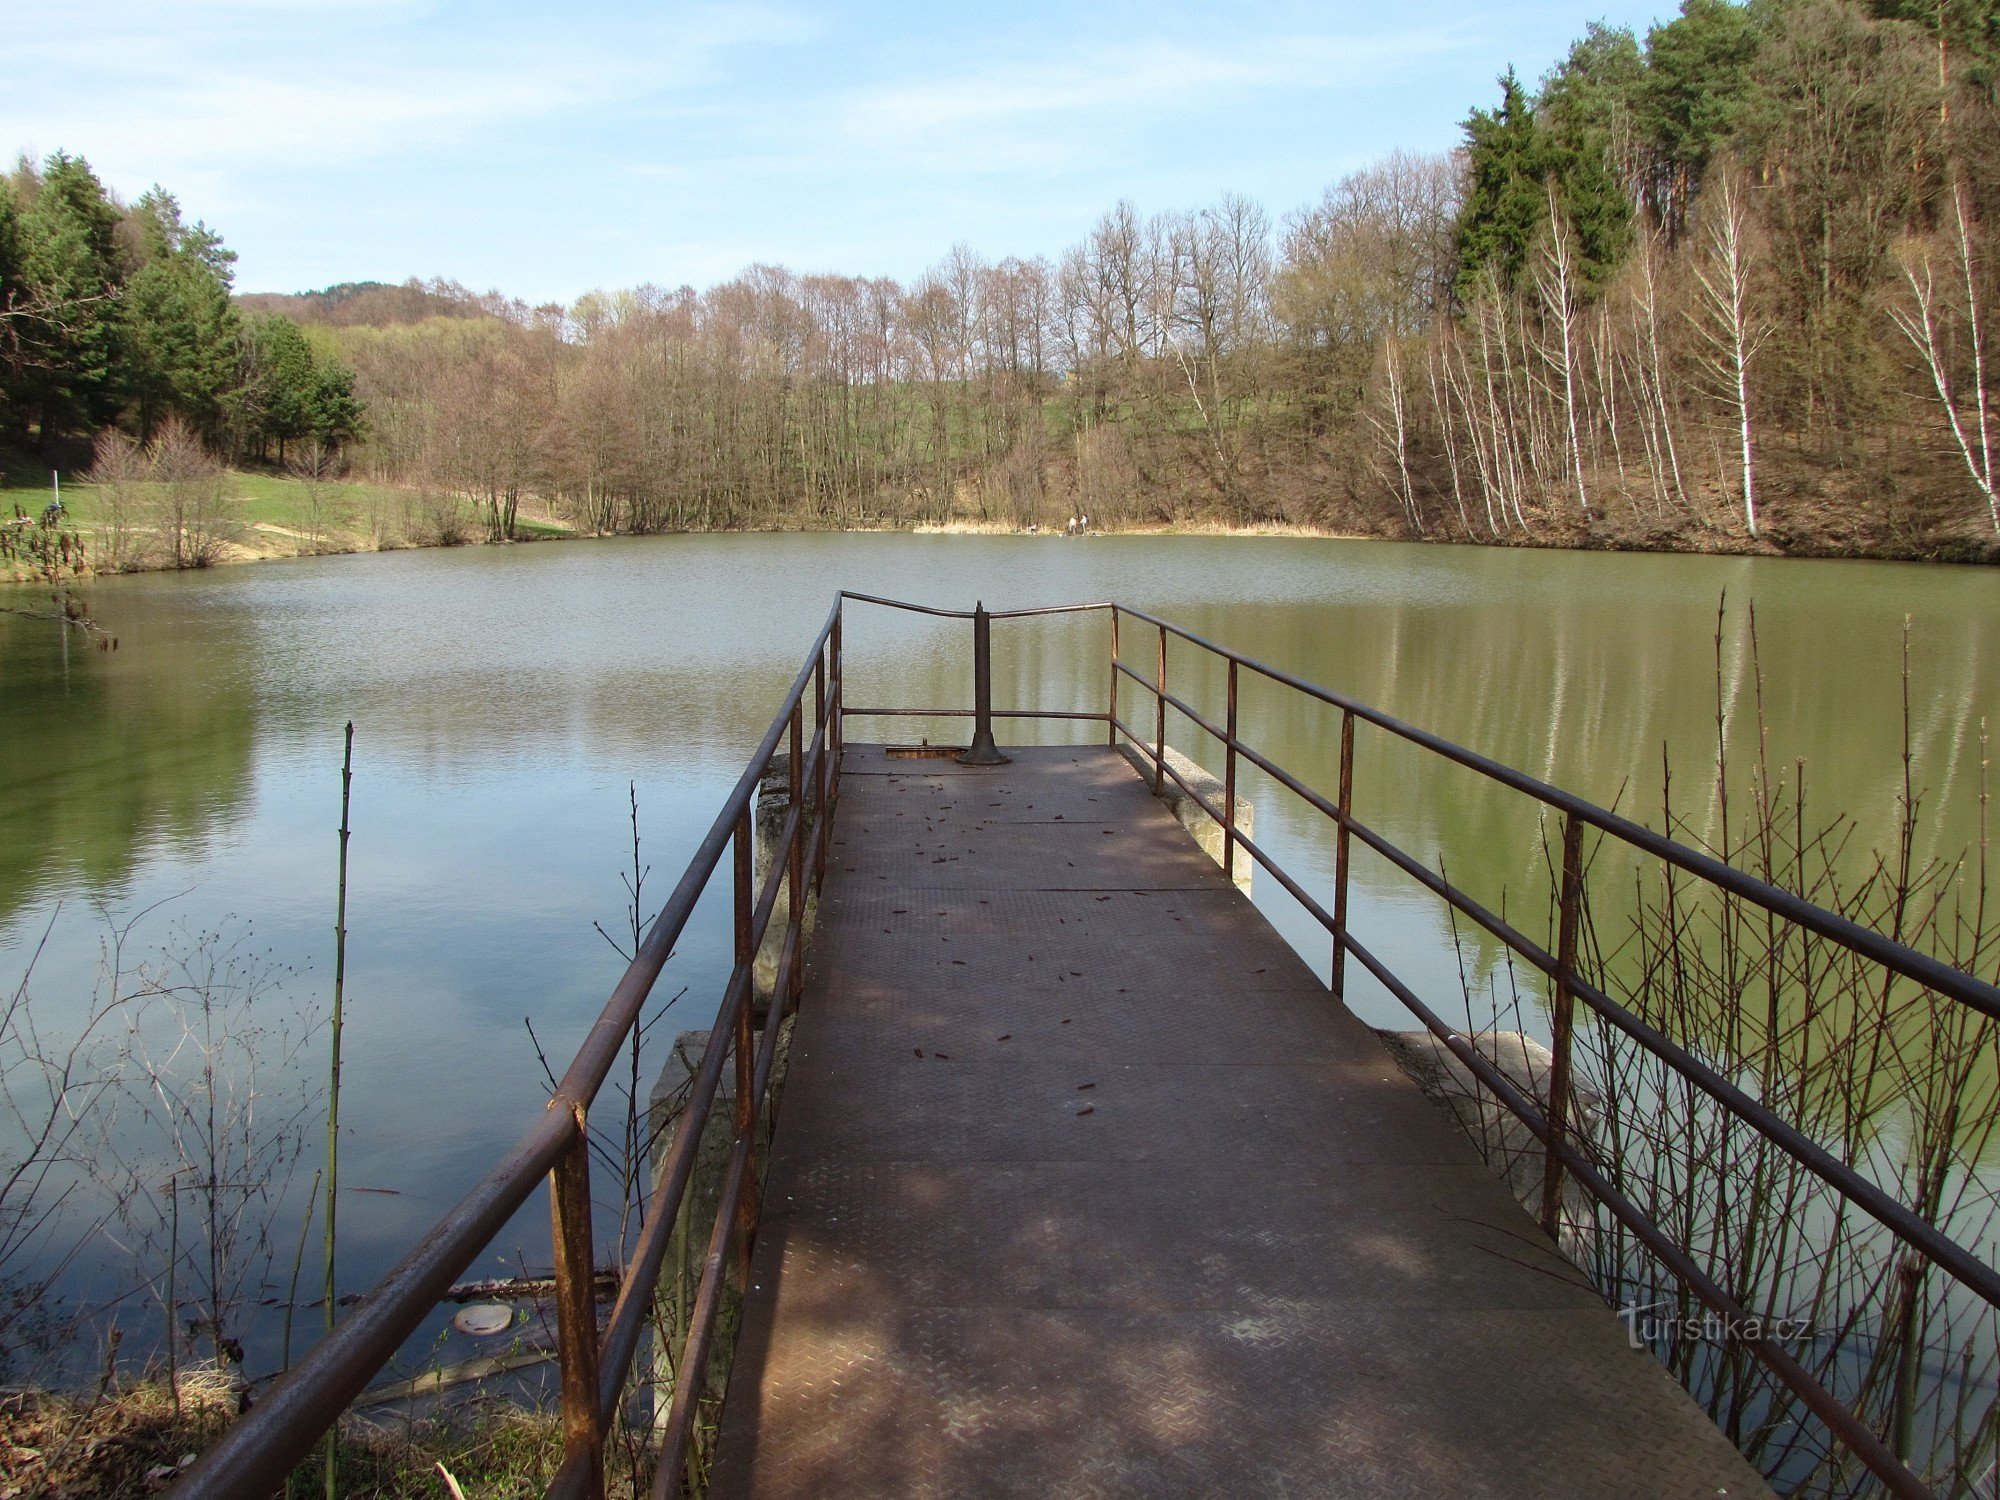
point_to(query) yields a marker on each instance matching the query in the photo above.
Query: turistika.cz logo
(1648, 1325)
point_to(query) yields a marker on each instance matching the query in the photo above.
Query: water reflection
(108, 755)
(504, 697)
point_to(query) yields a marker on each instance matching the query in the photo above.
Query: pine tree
(1506, 162)
(1697, 86)
(1588, 109)
(334, 412)
(1966, 34)
(181, 331)
(71, 270)
(291, 391)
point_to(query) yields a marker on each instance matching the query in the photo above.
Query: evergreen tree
(72, 272)
(1505, 202)
(277, 366)
(1698, 83)
(1966, 33)
(1588, 109)
(290, 391)
(1846, 130)
(335, 413)
(181, 331)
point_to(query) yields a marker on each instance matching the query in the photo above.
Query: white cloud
(1149, 78)
(1066, 112)
(170, 92)
(509, 141)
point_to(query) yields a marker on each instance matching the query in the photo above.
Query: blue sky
(546, 150)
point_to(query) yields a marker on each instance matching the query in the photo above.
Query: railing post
(746, 1061)
(1229, 783)
(1562, 1011)
(795, 873)
(819, 690)
(823, 728)
(576, 1306)
(982, 751)
(1160, 718)
(835, 729)
(1340, 855)
(1111, 714)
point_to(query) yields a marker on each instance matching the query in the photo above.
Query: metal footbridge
(1081, 1181)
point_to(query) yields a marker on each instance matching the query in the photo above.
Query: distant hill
(370, 304)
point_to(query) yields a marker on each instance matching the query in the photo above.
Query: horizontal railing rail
(1930, 972)
(991, 614)
(256, 1453)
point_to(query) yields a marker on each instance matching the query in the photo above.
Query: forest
(1721, 287)
(117, 317)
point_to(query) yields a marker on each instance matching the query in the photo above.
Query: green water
(504, 697)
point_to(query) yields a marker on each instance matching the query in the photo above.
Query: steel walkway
(1083, 1185)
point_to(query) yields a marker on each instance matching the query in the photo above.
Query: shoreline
(243, 551)
(282, 543)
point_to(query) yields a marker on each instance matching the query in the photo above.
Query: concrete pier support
(1189, 813)
(774, 805)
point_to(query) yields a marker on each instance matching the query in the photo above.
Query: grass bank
(261, 515)
(269, 516)
(256, 515)
(134, 1439)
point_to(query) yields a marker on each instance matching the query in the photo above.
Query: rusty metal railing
(256, 1453)
(1568, 987)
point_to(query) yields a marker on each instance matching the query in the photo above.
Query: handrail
(967, 614)
(1083, 715)
(1560, 1154)
(1927, 971)
(254, 1455)
(1897, 1217)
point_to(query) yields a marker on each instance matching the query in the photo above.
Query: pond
(504, 698)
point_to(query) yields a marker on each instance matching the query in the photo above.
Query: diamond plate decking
(1082, 1185)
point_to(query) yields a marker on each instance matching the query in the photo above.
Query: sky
(547, 150)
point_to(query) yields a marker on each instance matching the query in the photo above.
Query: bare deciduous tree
(317, 466)
(50, 1089)
(1391, 423)
(119, 471)
(193, 513)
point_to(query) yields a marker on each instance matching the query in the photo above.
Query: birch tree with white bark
(1934, 318)
(1729, 327)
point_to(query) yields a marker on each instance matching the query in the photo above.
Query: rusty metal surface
(1096, 1235)
(1351, 1399)
(1149, 1215)
(1017, 800)
(920, 822)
